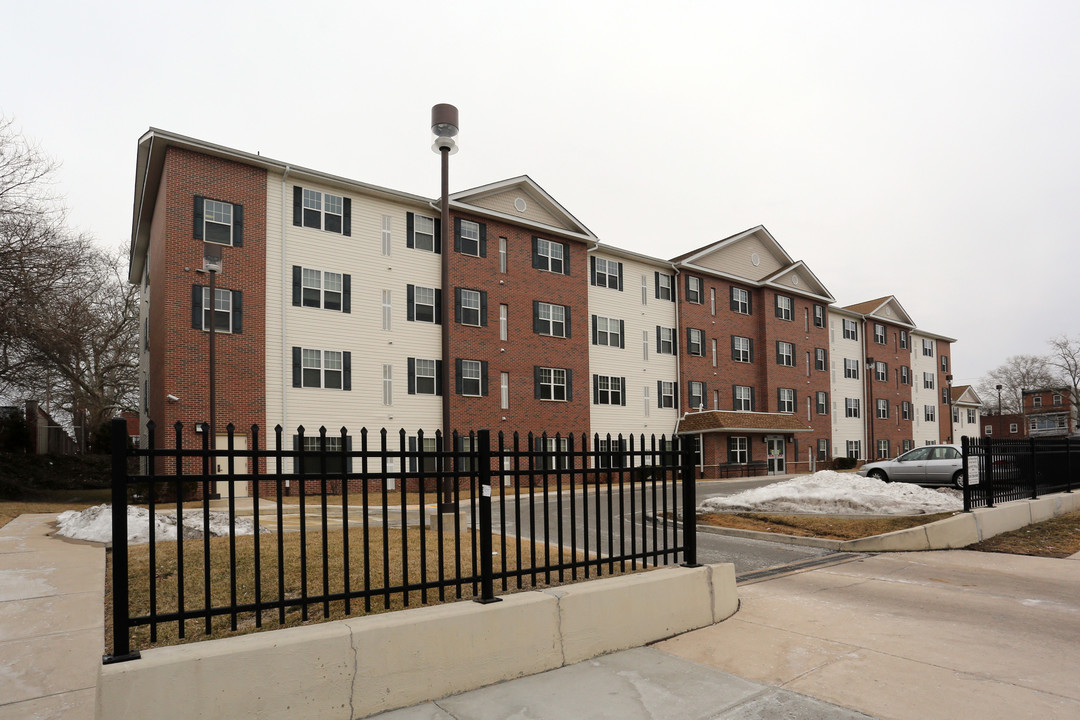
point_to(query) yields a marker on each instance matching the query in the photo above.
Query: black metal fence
(1002, 470)
(338, 530)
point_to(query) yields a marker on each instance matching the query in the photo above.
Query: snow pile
(832, 493)
(95, 524)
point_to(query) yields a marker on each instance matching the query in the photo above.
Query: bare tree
(68, 318)
(1018, 373)
(1065, 359)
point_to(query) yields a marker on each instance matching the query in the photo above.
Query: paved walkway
(51, 622)
(904, 636)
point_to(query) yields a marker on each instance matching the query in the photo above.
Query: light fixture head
(444, 120)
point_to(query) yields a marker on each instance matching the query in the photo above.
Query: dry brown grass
(361, 574)
(52, 501)
(1057, 538)
(822, 526)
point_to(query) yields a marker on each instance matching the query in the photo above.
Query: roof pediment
(753, 255)
(798, 277)
(965, 395)
(887, 309)
(520, 200)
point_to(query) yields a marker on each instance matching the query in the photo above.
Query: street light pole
(948, 390)
(212, 264)
(1000, 424)
(871, 411)
(444, 124)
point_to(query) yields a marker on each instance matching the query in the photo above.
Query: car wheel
(958, 479)
(878, 475)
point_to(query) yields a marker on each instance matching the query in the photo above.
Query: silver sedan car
(927, 465)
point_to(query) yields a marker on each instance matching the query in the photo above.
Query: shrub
(844, 463)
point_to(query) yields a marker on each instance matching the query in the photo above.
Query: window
(665, 394)
(819, 316)
(785, 354)
(694, 291)
(553, 320)
(785, 400)
(470, 238)
(883, 449)
(737, 450)
(503, 311)
(387, 245)
(945, 363)
(387, 309)
(851, 368)
(1013, 428)
(740, 301)
(742, 349)
(905, 410)
(928, 381)
(665, 286)
(697, 395)
(851, 407)
(470, 307)
(853, 449)
(695, 342)
(552, 453)
(945, 395)
(785, 307)
(971, 416)
(989, 429)
(903, 339)
(317, 457)
(425, 376)
(928, 348)
(881, 371)
(550, 256)
(882, 409)
(331, 369)
(219, 222)
(428, 454)
(318, 289)
(1057, 399)
(502, 255)
(423, 232)
(743, 398)
(472, 378)
(929, 413)
(822, 403)
(905, 375)
(423, 304)
(504, 390)
(321, 211)
(387, 384)
(227, 309)
(552, 384)
(606, 273)
(851, 330)
(956, 414)
(879, 333)
(609, 390)
(906, 445)
(665, 340)
(608, 331)
(821, 359)
(1036, 401)
(823, 449)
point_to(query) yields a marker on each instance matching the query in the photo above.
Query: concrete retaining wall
(361, 666)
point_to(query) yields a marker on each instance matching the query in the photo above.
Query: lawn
(820, 526)
(1057, 538)
(52, 501)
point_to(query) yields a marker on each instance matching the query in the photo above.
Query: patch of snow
(833, 493)
(95, 524)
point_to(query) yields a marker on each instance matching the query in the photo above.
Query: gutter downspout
(284, 288)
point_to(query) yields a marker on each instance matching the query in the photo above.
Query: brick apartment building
(329, 312)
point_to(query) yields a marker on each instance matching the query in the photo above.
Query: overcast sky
(927, 150)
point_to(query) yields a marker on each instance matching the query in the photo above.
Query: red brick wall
(180, 353)
(523, 349)
(944, 349)
(895, 429)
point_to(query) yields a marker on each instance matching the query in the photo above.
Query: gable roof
(521, 201)
(965, 395)
(886, 308)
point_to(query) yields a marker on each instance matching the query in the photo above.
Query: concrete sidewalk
(905, 636)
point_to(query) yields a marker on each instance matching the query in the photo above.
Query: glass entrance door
(775, 447)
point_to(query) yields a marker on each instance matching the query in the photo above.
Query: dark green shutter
(457, 234)
(346, 370)
(566, 317)
(346, 219)
(457, 305)
(620, 277)
(536, 254)
(196, 307)
(298, 206)
(438, 306)
(595, 337)
(457, 375)
(198, 230)
(237, 311)
(409, 241)
(238, 226)
(595, 390)
(412, 376)
(438, 377)
(536, 381)
(483, 308)
(297, 370)
(297, 284)
(410, 300)
(569, 385)
(484, 377)
(346, 293)
(592, 270)
(537, 327)
(622, 334)
(623, 381)
(437, 244)
(483, 239)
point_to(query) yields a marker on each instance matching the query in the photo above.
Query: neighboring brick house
(330, 313)
(1049, 412)
(1009, 426)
